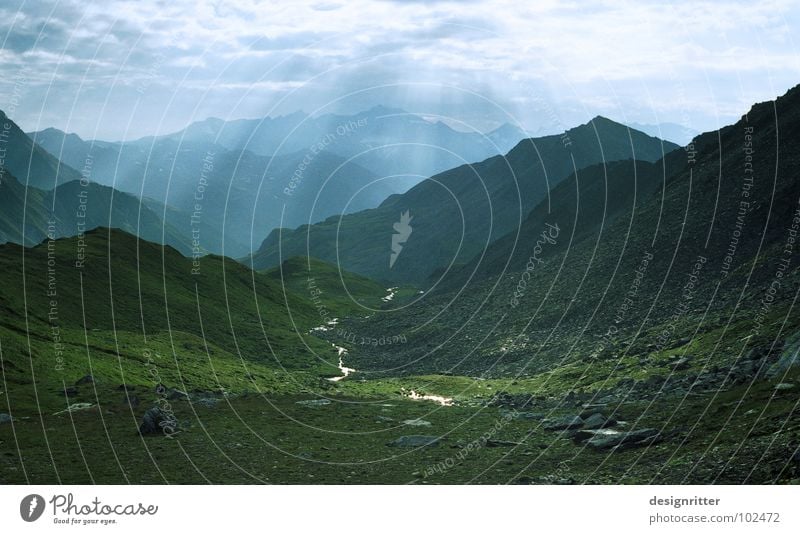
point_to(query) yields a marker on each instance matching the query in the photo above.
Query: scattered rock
(383, 419)
(509, 400)
(526, 416)
(594, 407)
(314, 402)
(88, 379)
(415, 441)
(568, 422)
(783, 386)
(5, 418)
(157, 422)
(598, 420)
(416, 422)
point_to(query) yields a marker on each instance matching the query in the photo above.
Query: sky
(120, 70)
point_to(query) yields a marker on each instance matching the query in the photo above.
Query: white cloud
(587, 59)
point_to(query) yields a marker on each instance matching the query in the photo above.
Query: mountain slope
(224, 192)
(704, 268)
(146, 297)
(457, 213)
(29, 162)
(30, 215)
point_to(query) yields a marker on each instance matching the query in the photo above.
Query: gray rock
(783, 386)
(206, 402)
(525, 416)
(790, 356)
(416, 422)
(157, 422)
(5, 418)
(415, 441)
(598, 420)
(568, 422)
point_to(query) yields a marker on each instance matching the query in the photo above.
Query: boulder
(415, 441)
(598, 420)
(157, 422)
(783, 386)
(416, 422)
(88, 379)
(568, 422)
(789, 357)
(5, 418)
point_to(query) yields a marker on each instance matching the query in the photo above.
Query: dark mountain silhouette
(457, 213)
(697, 248)
(29, 162)
(31, 215)
(228, 192)
(390, 142)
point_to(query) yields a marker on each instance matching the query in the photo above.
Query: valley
(615, 310)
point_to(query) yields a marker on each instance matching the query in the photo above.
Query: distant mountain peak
(381, 109)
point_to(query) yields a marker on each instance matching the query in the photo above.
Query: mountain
(29, 162)
(627, 269)
(224, 196)
(456, 214)
(31, 215)
(677, 133)
(141, 314)
(587, 201)
(392, 143)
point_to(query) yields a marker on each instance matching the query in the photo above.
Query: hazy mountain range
(458, 213)
(243, 178)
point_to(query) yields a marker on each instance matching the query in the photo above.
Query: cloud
(254, 57)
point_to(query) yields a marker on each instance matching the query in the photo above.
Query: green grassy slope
(224, 327)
